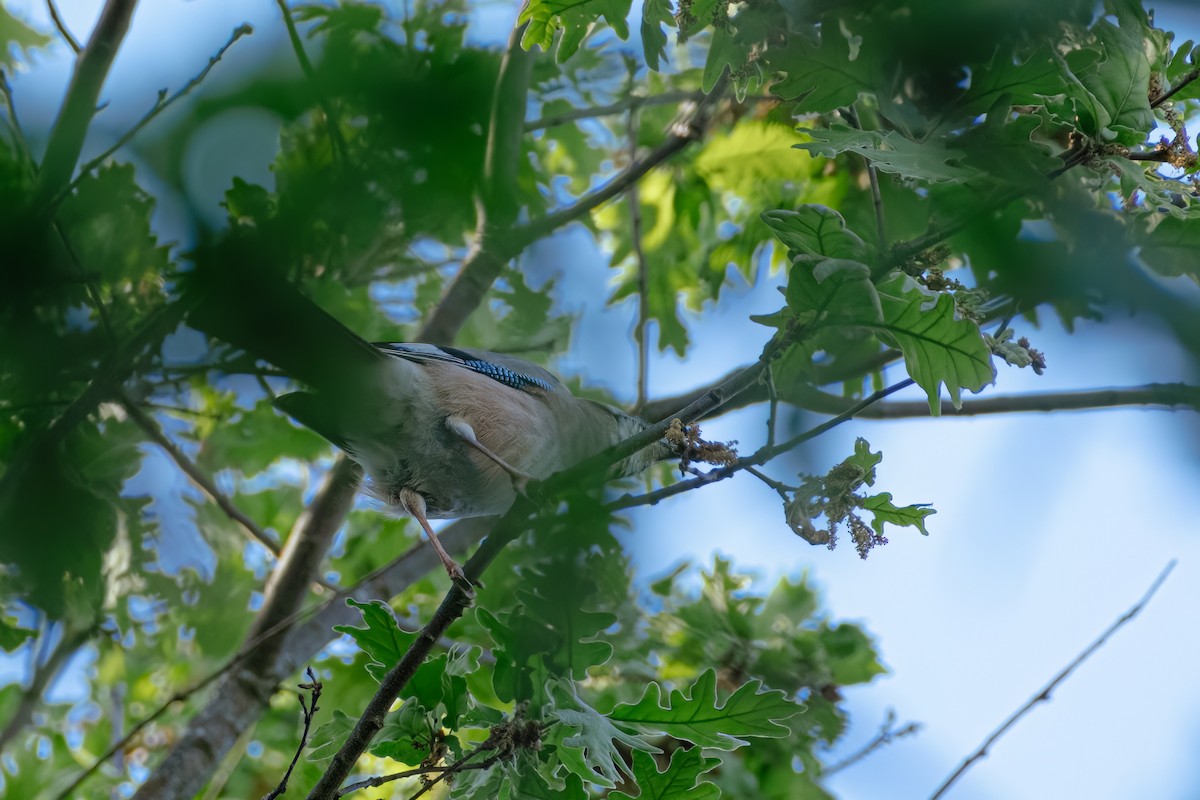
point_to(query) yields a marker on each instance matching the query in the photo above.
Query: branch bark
(1044, 695)
(249, 687)
(91, 69)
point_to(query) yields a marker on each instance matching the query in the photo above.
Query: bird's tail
(238, 299)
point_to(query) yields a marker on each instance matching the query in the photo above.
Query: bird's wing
(516, 373)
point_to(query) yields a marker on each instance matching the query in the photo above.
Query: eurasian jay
(440, 432)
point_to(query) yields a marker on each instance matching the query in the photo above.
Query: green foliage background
(975, 121)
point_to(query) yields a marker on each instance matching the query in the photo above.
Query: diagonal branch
(62, 27)
(485, 261)
(160, 105)
(91, 69)
(1165, 395)
(236, 703)
(1043, 696)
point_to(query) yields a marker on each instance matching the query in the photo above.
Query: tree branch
(197, 476)
(487, 258)
(887, 734)
(62, 27)
(760, 457)
(1168, 395)
(253, 682)
(160, 105)
(630, 103)
(43, 674)
(234, 706)
(91, 69)
(1044, 695)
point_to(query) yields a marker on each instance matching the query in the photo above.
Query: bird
(440, 432)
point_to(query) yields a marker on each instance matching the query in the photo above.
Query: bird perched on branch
(441, 432)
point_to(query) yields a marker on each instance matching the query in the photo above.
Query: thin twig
(773, 408)
(851, 116)
(1164, 395)
(887, 734)
(379, 780)
(1182, 82)
(762, 456)
(368, 586)
(483, 265)
(630, 103)
(13, 121)
(331, 119)
(313, 687)
(634, 200)
(62, 27)
(45, 667)
(160, 105)
(89, 282)
(189, 468)
(1044, 695)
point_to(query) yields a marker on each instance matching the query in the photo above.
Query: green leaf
(885, 511)
(573, 17)
(327, 739)
(677, 781)
(698, 719)
(1115, 88)
(890, 151)
(15, 32)
(865, 460)
(822, 75)
(382, 639)
(1021, 82)
(256, 440)
(816, 230)
(590, 750)
(405, 734)
(833, 291)
(12, 635)
(937, 347)
(654, 39)
(1170, 247)
(107, 219)
(849, 655)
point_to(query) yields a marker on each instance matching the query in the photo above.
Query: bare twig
(309, 631)
(62, 27)
(331, 119)
(44, 668)
(634, 200)
(762, 456)
(91, 69)
(14, 122)
(1164, 395)
(189, 468)
(1044, 695)
(630, 103)
(851, 116)
(313, 687)
(487, 258)
(1182, 82)
(887, 734)
(160, 105)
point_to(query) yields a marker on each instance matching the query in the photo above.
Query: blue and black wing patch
(511, 377)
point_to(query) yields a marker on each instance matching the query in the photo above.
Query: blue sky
(1048, 526)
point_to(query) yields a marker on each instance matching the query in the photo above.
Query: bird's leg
(461, 428)
(414, 505)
